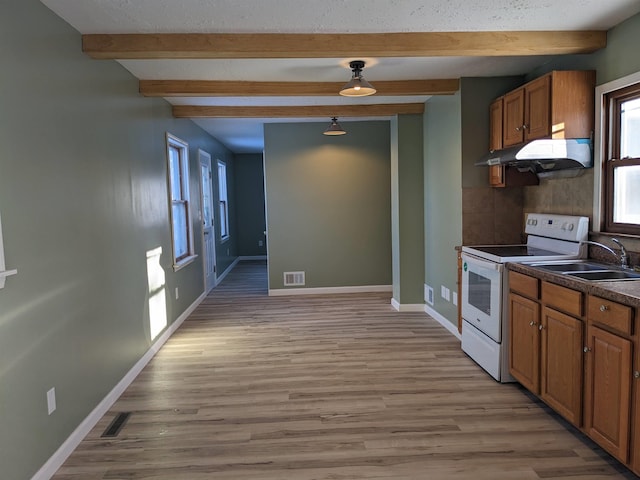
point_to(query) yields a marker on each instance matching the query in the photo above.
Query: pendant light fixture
(357, 86)
(334, 128)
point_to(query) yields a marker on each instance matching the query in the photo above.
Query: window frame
(600, 153)
(183, 198)
(612, 102)
(223, 201)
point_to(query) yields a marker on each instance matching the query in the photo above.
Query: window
(179, 212)
(223, 200)
(622, 166)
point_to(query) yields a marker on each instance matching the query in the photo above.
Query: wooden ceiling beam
(191, 111)
(215, 88)
(342, 45)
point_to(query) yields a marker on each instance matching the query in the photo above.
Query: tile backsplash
(562, 196)
(492, 215)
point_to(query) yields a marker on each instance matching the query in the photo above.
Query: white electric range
(485, 327)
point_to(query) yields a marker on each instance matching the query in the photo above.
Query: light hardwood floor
(326, 388)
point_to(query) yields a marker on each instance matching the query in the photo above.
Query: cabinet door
(608, 391)
(537, 109)
(561, 364)
(496, 175)
(495, 124)
(524, 346)
(635, 427)
(513, 118)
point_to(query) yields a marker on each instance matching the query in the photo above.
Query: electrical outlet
(445, 293)
(260, 243)
(177, 294)
(455, 298)
(227, 252)
(51, 401)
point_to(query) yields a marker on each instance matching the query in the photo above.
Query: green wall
(442, 197)
(407, 208)
(83, 198)
(328, 203)
(250, 212)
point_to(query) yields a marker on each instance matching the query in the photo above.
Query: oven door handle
(483, 263)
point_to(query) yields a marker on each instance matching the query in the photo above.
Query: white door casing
(208, 231)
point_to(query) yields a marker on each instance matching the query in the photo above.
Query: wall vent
(293, 279)
(428, 294)
(116, 425)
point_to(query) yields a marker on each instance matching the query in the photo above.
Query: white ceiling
(327, 16)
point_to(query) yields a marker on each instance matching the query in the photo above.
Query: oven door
(482, 295)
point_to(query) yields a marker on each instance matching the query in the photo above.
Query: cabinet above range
(556, 110)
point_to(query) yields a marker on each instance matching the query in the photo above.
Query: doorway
(208, 230)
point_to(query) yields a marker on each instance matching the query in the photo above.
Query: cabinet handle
(540, 327)
(524, 127)
(604, 308)
(636, 374)
(518, 129)
(532, 323)
(586, 349)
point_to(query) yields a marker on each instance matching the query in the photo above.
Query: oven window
(480, 292)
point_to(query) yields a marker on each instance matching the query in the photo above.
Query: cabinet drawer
(562, 298)
(523, 284)
(611, 314)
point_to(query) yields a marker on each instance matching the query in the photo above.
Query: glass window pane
(180, 240)
(206, 196)
(223, 219)
(626, 202)
(630, 129)
(175, 173)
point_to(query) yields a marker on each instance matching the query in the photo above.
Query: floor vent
(116, 425)
(293, 279)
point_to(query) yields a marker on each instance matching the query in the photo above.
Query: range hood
(546, 157)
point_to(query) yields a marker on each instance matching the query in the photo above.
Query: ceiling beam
(191, 111)
(209, 88)
(341, 45)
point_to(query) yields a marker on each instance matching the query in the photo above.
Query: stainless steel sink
(597, 272)
(572, 267)
(605, 275)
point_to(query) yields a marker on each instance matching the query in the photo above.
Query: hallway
(325, 387)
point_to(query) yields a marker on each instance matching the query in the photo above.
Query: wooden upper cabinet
(513, 118)
(537, 106)
(560, 104)
(495, 124)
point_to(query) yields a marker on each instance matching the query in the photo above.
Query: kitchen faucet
(623, 257)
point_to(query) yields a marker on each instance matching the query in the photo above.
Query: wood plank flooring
(326, 388)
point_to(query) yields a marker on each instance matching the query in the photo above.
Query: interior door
(208, 233)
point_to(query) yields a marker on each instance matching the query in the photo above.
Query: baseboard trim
(329, 290)
(52, 465)
(226, 272)
(443, 321)
(407, 307)
(252, 257)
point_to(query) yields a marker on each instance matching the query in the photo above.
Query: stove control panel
(562, 227)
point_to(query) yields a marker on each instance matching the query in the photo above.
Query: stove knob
(564, 226)
(570, 227)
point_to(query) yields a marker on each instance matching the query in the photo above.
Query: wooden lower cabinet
(524, 345)
(608, 391)
(635, 426)
(561, 364)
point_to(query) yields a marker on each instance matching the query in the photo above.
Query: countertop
(625, 291)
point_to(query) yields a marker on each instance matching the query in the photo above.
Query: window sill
(621, 235)
(184, 262)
